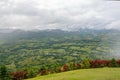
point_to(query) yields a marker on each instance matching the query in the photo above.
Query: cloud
(59, 14)
(115, 25)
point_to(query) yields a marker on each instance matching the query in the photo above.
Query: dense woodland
(39, 50)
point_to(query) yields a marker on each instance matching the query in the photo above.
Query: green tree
(113, 63)
(4, 73)
(86, 63)
(31, 74)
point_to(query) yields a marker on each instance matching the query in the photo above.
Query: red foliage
(99, 63)
(76, 66)
(79, 66)
(65, 67)
(43, 72)
(118, 62)
(18, 75)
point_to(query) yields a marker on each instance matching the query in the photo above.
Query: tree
(4, 73)
(86, 63)
(113, 63)
(31, 74)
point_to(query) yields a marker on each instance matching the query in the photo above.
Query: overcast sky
(59, 14)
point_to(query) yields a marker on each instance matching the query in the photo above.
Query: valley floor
(84, 74)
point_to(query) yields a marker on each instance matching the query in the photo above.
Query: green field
(84, 74)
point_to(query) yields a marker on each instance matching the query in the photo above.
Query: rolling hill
(25, 49)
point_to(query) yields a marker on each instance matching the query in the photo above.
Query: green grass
(84, 74)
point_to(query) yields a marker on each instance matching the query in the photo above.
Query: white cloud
(115, 25)
(59, 14)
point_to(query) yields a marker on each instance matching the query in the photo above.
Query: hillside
(84, 74)
(35, 49)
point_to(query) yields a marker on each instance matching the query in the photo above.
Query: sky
(59, 14)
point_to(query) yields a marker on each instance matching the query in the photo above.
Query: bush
(65, 67)
(118, 62)
(43, 72)
(99, 63)
(18, 75)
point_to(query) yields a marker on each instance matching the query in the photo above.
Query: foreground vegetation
(84, 74)
(20, 75)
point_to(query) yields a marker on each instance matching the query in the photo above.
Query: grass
(84, 74)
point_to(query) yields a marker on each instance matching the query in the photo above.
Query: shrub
(78, 66)
(118, 62)
(18, 75)
(43, 72)
(99, 63)
(65, 67)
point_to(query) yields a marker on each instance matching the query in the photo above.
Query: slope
(84, 74)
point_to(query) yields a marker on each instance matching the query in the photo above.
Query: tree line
(5, 74)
